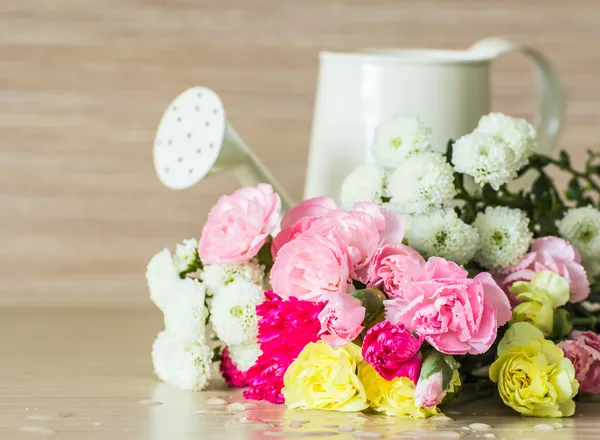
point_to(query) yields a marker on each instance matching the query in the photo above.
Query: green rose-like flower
(533, 375)
(540, 297)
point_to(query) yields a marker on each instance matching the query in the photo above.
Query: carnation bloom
(583, 349)
(439, 376)
(504, 237)
(424, 181)
(290, 233)
(311, 267)
(442, 234)
(239, 224)
(556, 255)
(455, 314)
(397, 138)
(316, 207)
(322, 377)
(341, 320)
(232, 375)
(284, 329)
(533, 375)
(365, 183)
(486, 157)
(539, 298)
(393, 351)
(394, 397)
(393, 266)
(581, 227)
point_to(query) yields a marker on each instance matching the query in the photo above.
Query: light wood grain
(79, 374)
(83, 84)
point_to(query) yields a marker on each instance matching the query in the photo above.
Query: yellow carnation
(323, 377)
(395, 397)
(544, 293)
(533, 375)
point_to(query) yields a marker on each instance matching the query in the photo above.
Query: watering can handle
(551, 105)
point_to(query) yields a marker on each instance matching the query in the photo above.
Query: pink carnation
(556, 255)
(429, 392)
(285, 327)
(389, 224)
(358, 233)
(393, 351)
(232, 375)
(341, 320)
(311, 267)
(455, 314)
(239, 224)
(583, 349)
(290, 233)
(316, 207)
(393, 267)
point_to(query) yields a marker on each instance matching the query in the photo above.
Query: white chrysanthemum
(180, 363)
(424, 181)
(441, 233)
(161, 275)
(185, 253)
(519, 134)
(218, 276)
(504, 237)
(233, 312)
(581, 227)
(397, 138)
(244, 355)
(185, 315)
(364, 184)
(486, 157)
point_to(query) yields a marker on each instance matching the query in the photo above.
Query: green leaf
(264, 255)
(372, 300)
(540, 161)
(449, 147)
(489, 193)
(574, 189)
(565, 160)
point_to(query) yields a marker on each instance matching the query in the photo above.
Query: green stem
(587, 322)
(576, 173)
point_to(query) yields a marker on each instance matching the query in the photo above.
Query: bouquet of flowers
(432, 274)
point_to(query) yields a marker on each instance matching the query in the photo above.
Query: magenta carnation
(284, 329)
(230, 372)
(393, 351)
(583, 349)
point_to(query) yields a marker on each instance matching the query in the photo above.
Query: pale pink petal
(315, 207)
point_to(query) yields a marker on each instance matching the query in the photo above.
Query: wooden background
(83, 84)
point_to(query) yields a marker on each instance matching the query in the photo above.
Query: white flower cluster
(180, 354)
(218, 276)
(411, 179)
(504, 236)
(185, 254)
(498, 148)
(442, 234)
(581, 227)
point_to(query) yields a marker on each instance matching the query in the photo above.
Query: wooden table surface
(81, 373)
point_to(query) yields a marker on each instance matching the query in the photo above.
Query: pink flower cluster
(583, 349)
(321, 256)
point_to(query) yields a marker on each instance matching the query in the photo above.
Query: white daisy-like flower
(519, 134)
(218, 276)
(397, 138)
(581, 227)
(185, 315)
(504, 237)
(364, 184)
(161, 275)
(180, 363)
(424, 181)
(233, 312)
(244, 355)
(486, 157)
(441, 233)
(185, 254)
